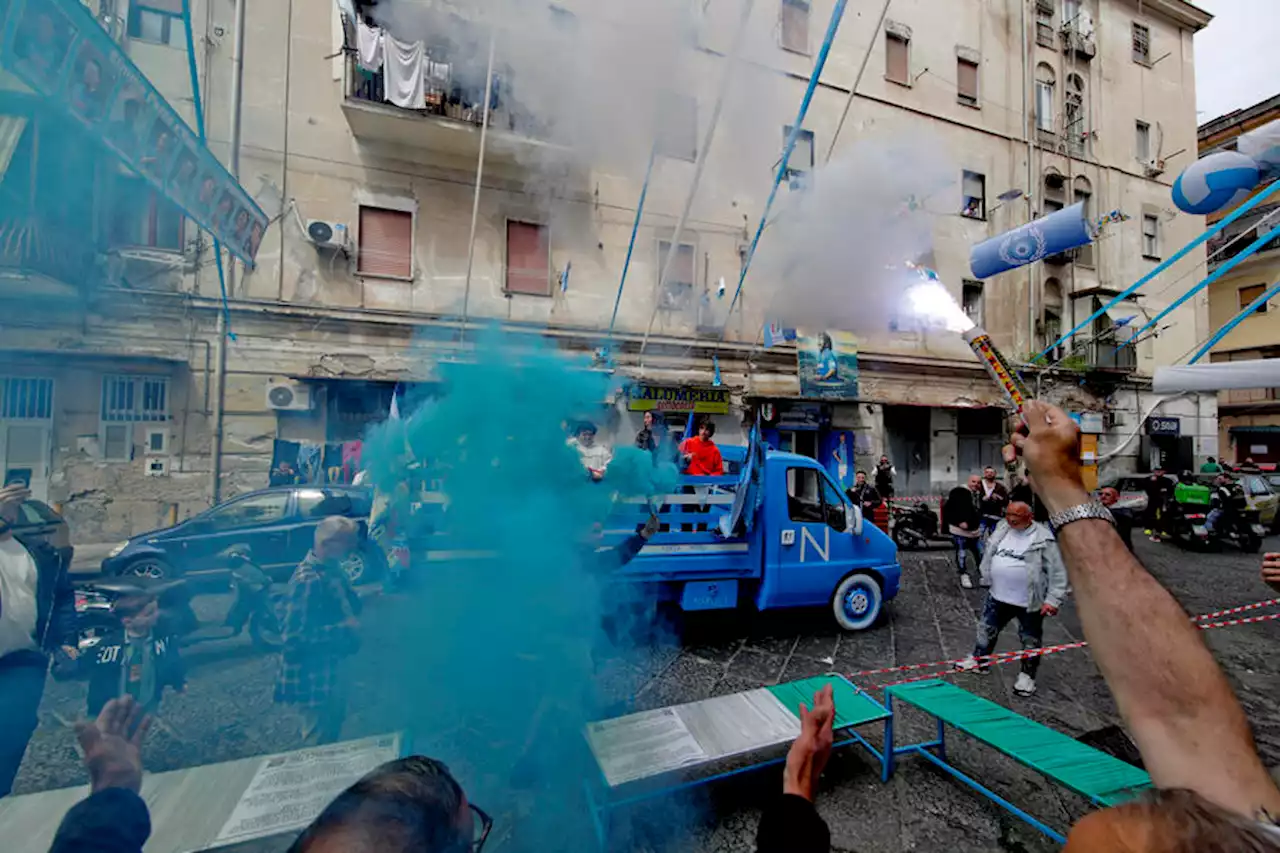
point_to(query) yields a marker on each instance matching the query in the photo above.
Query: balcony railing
(453, 99)
(1104, 356)
(1242, 234)
(30, 247)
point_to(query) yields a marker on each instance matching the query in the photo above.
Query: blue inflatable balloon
(1215, 182)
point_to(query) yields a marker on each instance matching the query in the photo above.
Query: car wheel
(857, 602)
(362, 566)
(148, 567)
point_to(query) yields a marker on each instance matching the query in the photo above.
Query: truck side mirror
(853, 514)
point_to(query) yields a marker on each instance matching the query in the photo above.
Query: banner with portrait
(828, 364)
(58, 49)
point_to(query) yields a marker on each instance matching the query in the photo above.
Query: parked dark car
(278, 526)
(37, 522)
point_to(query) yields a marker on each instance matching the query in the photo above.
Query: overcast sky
(1236, 56)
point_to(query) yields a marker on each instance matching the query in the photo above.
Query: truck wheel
(856, 602)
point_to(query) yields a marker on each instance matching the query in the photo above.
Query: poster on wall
(58, 49)
(828, 364)
(838, 457)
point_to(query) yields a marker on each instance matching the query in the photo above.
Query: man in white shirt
(37, 615)
(595, 457)
(1027, 580)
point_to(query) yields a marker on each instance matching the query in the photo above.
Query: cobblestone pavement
(227, 711)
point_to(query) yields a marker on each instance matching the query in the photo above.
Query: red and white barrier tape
(910, 498)
(1009, 657)
(1006, 657)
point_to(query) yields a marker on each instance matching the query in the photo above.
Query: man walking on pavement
(37, 619)
(960, 515)
(319, 630)
(1159, 489)
(1027, 581)
(992, 502)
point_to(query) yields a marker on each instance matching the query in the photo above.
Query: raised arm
(1187, 723)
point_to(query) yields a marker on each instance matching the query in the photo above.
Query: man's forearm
(1169, 689)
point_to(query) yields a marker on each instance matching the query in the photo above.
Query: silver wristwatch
(1079, 512)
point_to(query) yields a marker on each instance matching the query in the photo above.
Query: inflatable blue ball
(1214, 182)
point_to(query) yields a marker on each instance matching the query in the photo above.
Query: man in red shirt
(701, 456)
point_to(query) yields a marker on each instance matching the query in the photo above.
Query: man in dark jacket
(884, 472)
(961, 518)
(992, 500)
(1159, 490)
(37, 619)
(863, 495)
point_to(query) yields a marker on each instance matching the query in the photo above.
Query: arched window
(1075, 118)
(1052, 310)
(1045, 81)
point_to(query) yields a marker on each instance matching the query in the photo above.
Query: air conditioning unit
(1153, 167)
(327, 235)
(284, 395)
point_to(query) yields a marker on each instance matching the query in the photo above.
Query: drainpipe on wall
(220, 397)
(1027, 133)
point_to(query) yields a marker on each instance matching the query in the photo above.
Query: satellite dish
(281, 396)
(319, 231)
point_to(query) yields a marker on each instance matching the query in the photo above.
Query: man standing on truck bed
(701, 456)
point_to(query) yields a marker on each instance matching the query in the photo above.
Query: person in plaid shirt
(319, 631)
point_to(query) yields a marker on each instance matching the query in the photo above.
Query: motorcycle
(252, 607)
(1242, 528)
(914, 526)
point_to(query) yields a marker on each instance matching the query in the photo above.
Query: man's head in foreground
(411, 805)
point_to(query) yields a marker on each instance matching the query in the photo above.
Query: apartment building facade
(369, 269)
(1249, 420)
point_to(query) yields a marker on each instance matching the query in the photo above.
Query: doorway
(26, 432)
(803, 442)
(907, 437)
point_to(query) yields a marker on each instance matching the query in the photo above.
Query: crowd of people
(1211, 791)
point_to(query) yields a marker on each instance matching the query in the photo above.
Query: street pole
(475, 200)
(233, 162)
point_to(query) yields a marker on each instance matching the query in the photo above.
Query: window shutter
(896, 66)
(528, 261)
(795, 25)
(967, 81)
(386, 242)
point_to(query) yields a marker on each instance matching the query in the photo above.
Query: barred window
(133, 398)
(26, 398)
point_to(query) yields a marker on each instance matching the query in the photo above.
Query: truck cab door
(811, 547)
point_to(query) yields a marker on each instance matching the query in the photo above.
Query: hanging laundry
(351, 451)
(404, 65)
(369, 46)
(309, 462)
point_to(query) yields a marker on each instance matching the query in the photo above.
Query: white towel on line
(404, 64)
(369, 48)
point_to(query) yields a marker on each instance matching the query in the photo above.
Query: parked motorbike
(252, 607)
(1186, 523)
(914, 526)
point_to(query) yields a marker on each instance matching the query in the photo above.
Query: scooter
(251, 607)
(914, 526)
(1187, 524)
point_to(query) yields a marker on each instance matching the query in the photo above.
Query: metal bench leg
(886, 768)
(942, 739)
(599, 818)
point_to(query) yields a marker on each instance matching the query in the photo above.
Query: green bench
(659, 752)
(1100, 778)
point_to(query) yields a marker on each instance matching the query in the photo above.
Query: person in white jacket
(1027, 581)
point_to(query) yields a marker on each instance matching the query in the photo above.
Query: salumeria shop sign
(703, 401)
